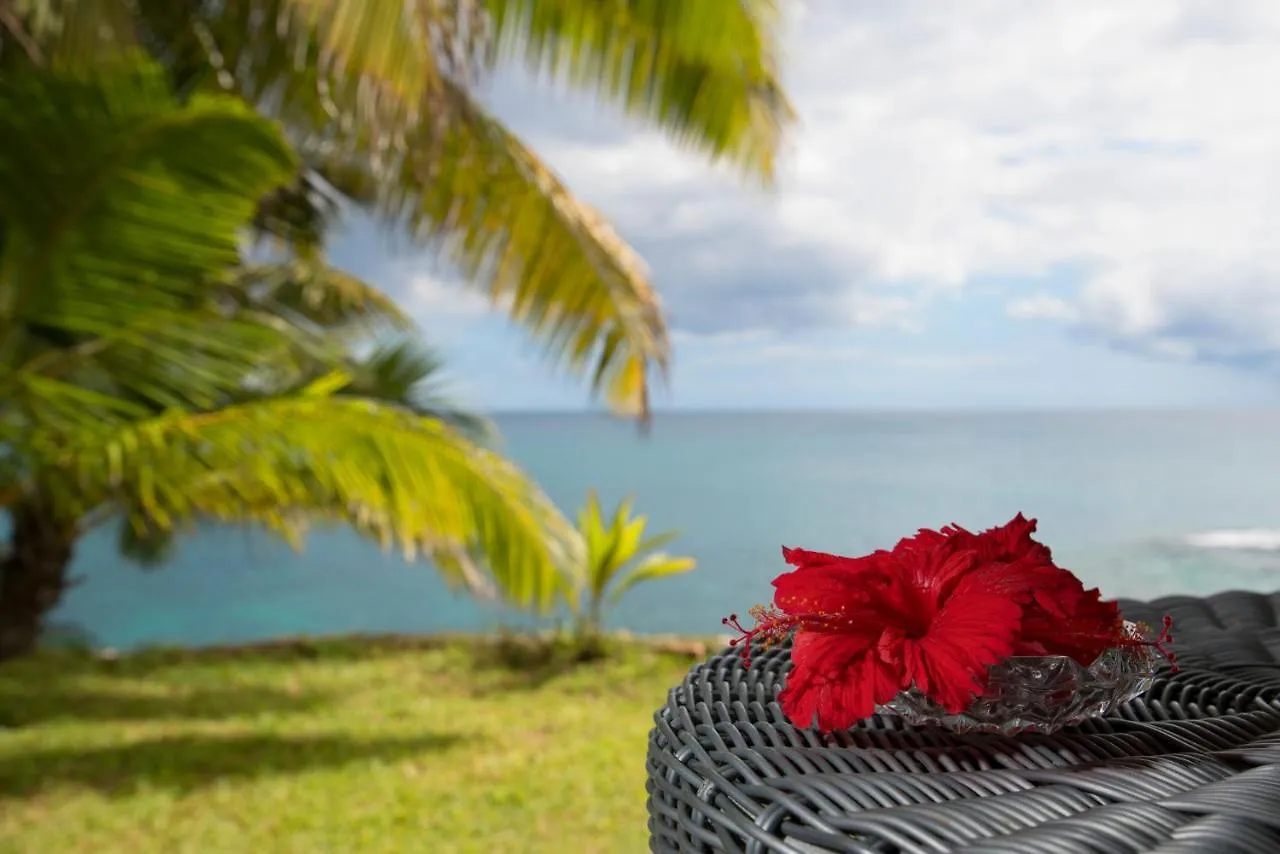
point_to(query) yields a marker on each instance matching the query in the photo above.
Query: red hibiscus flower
(1008, 543)
(935, 613)
(871, 627)
(1060, 617)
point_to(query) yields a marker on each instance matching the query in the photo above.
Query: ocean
(1141, 504)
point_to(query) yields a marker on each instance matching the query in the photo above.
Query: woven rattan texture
(1193, 766)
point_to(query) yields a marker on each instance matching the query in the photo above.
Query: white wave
(1237, 539)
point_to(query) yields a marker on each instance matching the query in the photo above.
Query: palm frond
(64, 33)
(371, 64)
(405, 481)
(19, 46)
(146, 545)
(408, 374)
(118, 207)
(311, 293)
(704, 71)
(404, 373)
(512, 228)
(300, 217)
(394, 50)
(654, 566)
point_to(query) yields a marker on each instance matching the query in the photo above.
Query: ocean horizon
(1142, 503)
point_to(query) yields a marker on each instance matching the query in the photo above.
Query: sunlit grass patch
(345, 745)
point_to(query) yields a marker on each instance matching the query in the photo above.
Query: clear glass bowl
(1040, 693)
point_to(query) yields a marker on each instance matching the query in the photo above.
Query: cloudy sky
(993, 203)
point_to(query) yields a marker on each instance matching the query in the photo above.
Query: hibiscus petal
(807, 558)
(803, 559)
(1082, 629)
(1012, 541)
(817, 591)
(831, 651)
(922, 539)
(834, 683)
(801, 696)
(933, 564)
(1024, 580)
(871, 683)
(829, 591)
(972, 632)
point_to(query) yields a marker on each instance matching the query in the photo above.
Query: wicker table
(1193, 766)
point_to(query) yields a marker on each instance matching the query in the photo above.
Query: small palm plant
(613, 557)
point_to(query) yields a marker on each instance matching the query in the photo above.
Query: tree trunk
(589, 633)
(33, 576)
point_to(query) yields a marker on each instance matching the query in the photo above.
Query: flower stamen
(1161, 643)
(772, 626)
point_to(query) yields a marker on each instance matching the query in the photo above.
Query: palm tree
(119, 391)
(148, 375)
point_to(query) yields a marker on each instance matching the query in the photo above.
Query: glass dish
(1040, 693)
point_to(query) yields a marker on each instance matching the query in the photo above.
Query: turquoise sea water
(1141, 504)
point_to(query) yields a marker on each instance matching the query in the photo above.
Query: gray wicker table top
(1192, 766)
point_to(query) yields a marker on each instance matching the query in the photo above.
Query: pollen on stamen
(1138, 636)
(771, 626)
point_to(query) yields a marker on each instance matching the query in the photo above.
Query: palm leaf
(375, 65)
(107, 183)
(390, 54)
(509, 224)
(407, 374)
(313, 294)
(299, 217)
(118, 207)
(654, 566)
(147, 546)
(705, 72)
(405, 481)
(657, 541)
(63, 33)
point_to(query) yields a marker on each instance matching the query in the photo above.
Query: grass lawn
(333, 746)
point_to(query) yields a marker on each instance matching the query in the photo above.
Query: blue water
(1140, 504)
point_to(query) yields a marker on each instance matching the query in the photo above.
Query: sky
(989, 204)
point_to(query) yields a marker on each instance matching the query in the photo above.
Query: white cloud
(945, 362)
(1040, 307)
(756, 346)
(807, 353)
(943, 142)
(429, 297)
(728, 336)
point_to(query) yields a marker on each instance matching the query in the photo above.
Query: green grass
(342, 746)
